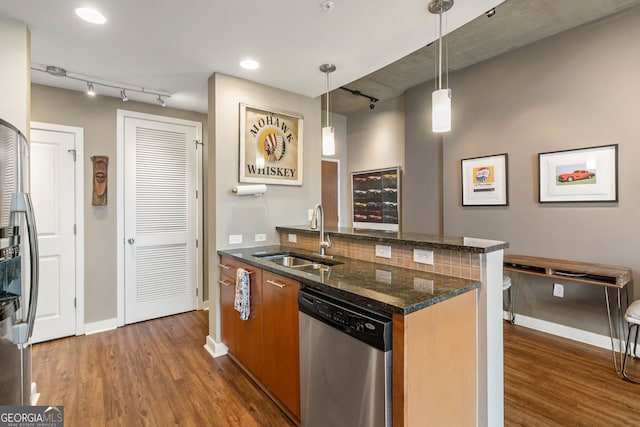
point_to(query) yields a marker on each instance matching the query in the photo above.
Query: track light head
(123, 95)
(90, 90)
(160, 101)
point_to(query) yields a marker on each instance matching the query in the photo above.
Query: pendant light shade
(441, 110)
(328, 137)
(328, 141)
(440, 98)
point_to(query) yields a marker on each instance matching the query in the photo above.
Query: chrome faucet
(324, 244)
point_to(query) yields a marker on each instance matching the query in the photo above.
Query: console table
(607, 276)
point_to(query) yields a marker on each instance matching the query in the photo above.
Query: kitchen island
(444, 343)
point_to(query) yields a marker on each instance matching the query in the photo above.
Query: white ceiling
(174, 46)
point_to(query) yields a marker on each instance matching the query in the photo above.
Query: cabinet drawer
(228, 268)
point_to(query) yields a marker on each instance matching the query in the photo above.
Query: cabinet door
(227, 312)
(249, 332)
(244, 336)
(280, 338)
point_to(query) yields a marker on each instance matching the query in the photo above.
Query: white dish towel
(242, 302)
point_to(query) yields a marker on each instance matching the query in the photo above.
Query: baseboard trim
(215, 349)
(102, 326)
(585, 337)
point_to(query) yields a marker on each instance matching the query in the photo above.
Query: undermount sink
(291, 261)
(298, 261)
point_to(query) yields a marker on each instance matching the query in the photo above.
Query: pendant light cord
(440, 51)
(446, 51)
(328, 85)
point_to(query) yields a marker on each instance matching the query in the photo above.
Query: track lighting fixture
(91, 82)
(372, 100)
(328, 137)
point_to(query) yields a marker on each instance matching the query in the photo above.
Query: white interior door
(160, 218)
(53, 196)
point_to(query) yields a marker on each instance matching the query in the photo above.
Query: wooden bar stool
(506, 286)
(632, 316)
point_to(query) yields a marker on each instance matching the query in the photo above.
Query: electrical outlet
(235, 239)
(293, 238)
(422, 256)
(558, 290)
(383, 251)
(260, 237)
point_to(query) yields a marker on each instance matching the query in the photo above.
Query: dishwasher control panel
(361, 323)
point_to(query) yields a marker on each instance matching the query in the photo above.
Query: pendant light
(328, 138)
(440, 98)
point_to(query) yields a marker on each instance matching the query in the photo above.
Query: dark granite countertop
(376, 286)
(464, 244)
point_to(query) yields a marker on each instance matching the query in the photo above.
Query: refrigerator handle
(21, 202)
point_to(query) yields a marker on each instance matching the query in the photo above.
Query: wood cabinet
(281, 374)
(242, 337)
(265, 345)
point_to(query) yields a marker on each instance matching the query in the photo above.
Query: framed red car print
(581, 175)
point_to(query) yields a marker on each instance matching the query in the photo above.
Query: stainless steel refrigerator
(18, 268)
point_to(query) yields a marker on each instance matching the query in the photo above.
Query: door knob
(131, 240)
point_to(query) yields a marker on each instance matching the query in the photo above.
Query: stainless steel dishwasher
(345, 363)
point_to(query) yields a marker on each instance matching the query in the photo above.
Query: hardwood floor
(157, 373)
(551, 381)
(154, 373)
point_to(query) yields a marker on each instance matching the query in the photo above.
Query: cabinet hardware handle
(222, 282)
(280, 285)
(226, 267)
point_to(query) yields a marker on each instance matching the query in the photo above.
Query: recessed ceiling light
(250, 64)
(91, 15)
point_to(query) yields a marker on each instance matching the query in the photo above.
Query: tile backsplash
(450, 263)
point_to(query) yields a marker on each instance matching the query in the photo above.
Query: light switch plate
(260, 237)
(235, 239)
(422, 256)
(293, 238)
(383, 251)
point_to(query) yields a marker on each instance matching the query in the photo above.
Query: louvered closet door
(160, 219)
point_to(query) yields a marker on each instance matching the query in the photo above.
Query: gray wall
(97, 116)
(574, 90)
(282, 204)
(339, 123)
(422, 190)
(375, 140)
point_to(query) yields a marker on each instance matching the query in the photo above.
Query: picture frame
(271, 146)
(579, 175)
(484, 180)
(376, 199)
